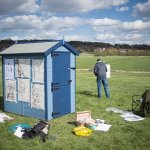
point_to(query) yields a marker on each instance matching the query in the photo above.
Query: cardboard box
(83, 115)
(84, 118)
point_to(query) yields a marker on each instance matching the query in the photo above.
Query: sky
(109, 21)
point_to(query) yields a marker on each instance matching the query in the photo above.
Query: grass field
(129, 76)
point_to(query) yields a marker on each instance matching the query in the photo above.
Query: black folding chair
(141, 103)
(136, 103)
(145, 106)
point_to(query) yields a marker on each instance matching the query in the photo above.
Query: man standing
(100, 70)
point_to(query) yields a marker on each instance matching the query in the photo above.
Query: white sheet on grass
(102, 127)
(4, 117)
(127, 115)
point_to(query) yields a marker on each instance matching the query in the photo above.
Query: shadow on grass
(74, 123)
(139, 113)
(1, 103)
(87, 93)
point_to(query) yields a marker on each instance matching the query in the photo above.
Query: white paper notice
(37, 98)
(23, 68)
(38, 70)
(9, 68)
(24, 90)
(10, 90)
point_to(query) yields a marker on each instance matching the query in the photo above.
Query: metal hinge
(54, 86)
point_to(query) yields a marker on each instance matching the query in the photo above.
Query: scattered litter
(97, 121)
(82, 131)
(26, 132)
(103, 127)
(131, 117)
(4, 117)
(14, 127)
(83, 117)
(127, 115)
(84, 121)
(19, 132)
(99, 125)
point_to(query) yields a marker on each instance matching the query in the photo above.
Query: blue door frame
(61, 83)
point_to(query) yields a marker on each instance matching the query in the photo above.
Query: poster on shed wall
(9, 68)
(22, 68)
(37, 96)
(38, 70)
(24, 90)
(10, 90)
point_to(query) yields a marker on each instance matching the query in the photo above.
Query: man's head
(98, 59)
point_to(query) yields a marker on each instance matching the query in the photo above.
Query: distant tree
(6, 43)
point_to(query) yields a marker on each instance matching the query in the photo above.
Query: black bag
(39, 126)
(29, 134)
(39, 129)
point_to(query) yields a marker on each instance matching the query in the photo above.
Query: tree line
(98, 48)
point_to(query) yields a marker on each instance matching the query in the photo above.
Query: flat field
(129, 76)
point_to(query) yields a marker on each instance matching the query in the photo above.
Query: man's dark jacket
(100, 69)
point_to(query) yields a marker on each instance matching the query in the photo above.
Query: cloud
(8, 7)
(75, 37)
(107, 24)
(33, 22)
(103, 22)
(39, 27)
(18, 7)
(22, 23)
(39, 36)
(62, 23)
(136, 25)
(116, 31)
(57, 6)
(122, 38)
(106, 36)
(52, 27)
(122, 8)
(42, 35)
(142, 10)
(104, 25)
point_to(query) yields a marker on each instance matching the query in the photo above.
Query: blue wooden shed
(39, 79)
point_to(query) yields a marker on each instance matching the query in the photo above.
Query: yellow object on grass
(82, 131)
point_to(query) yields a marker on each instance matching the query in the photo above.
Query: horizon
(46, 40)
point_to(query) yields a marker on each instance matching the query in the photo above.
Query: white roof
(29, 48)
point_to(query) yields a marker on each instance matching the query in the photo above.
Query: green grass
(128, 63)
(122, 135)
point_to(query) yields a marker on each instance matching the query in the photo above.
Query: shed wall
(21, 103)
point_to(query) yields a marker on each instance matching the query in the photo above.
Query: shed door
(61, 83)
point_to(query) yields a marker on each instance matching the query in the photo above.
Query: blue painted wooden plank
(73, 83)
(33, 112)
(13, 107)
(49, 97)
